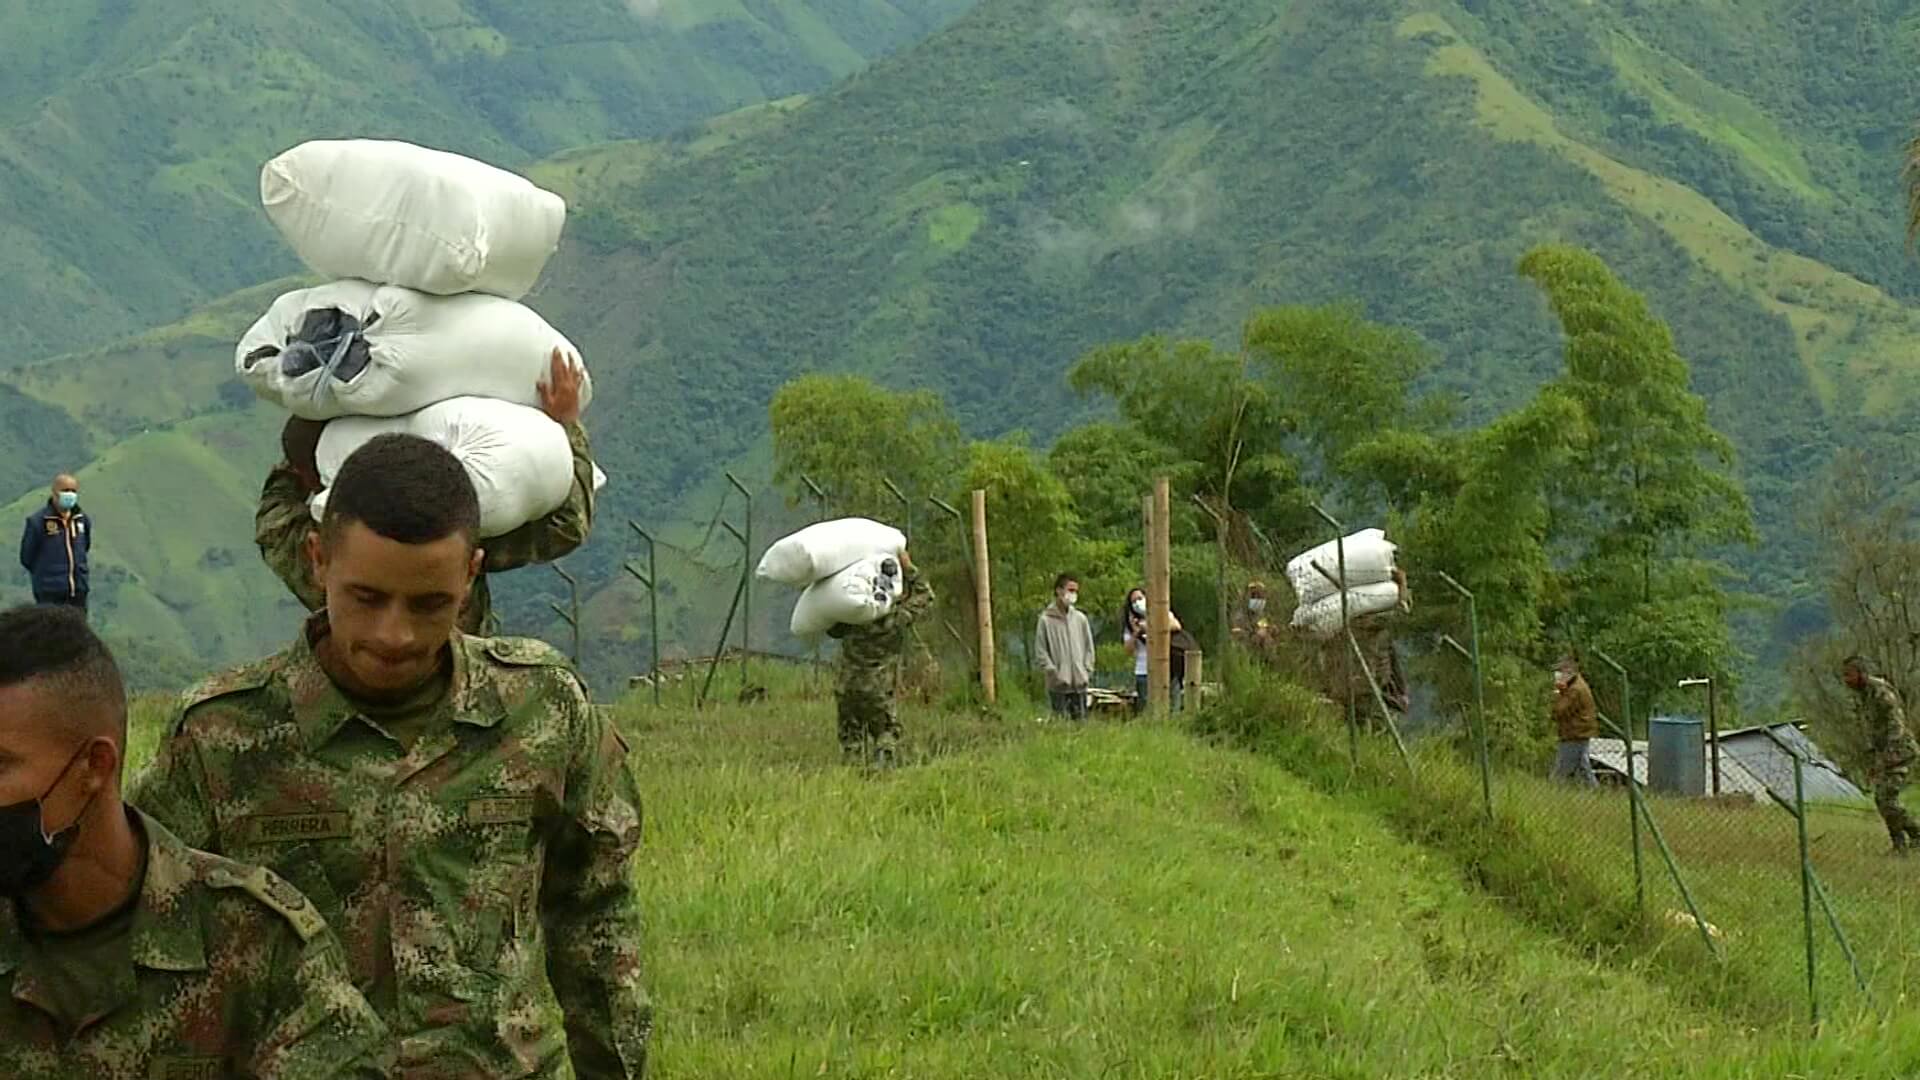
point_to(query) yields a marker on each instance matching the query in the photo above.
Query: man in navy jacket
(54, 547)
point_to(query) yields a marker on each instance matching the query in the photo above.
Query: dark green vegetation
(1046, 176)
(131, 134)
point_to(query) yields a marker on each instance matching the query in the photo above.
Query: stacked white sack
(519, 459)
(857, 595)
(402, 214)
(1369, 557)
(1321, 618)
(354, 348)
(822, 550)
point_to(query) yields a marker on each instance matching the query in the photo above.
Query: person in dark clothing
(54, 546)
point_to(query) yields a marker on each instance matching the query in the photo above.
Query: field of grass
(1037, 901)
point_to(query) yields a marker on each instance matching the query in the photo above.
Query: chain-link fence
(1744, 863)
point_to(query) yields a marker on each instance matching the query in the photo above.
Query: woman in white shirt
(1133, 634)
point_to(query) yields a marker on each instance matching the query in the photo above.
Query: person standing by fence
(1890, 746)
(1576, 720)
(1063, 646)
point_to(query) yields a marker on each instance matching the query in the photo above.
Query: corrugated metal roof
(1751, 765)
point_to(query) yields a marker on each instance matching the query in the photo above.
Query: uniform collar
(320, 709)
(166, 932)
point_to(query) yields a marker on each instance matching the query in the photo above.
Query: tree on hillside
(851, 436)
(1033, 533)
(1648, 494)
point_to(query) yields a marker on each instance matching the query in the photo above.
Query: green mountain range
(131, 134)
(1045, 175)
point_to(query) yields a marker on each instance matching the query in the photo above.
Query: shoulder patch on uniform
(238, 681)
(525, 652)
(274, 891)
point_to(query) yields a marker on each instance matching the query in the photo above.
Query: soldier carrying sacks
(453, 805)
(869, 670)
(123, 954)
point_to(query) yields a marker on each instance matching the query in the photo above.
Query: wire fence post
(906, 508)
(651, 580)
(746, 580)
(571, 613)
(1225, 639)
(1806, 889)
(1472, 653)
(1634, 809)
(819, 495)
(1346, 658)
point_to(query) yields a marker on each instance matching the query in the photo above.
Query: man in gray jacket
(1064, 644)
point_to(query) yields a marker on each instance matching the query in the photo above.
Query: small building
(1751, 764)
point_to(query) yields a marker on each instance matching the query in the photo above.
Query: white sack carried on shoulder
(1322, 617)
(353, 348)
(519, 459)
(401, 214)
(1370, 558)
(824, 549)
(858, 595)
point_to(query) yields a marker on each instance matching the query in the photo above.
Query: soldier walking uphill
(1891, 748)
(281, 524)
(453, 805)
(124, 955)
(869, 663)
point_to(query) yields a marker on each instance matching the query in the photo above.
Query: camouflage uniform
(868, 671)
(282, 522)
(1375, 635)
(1893, 751)
(481, 880)
(230, 973)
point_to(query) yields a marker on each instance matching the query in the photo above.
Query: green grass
(1027, 900)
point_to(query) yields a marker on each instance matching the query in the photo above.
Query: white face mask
(1070, 598)
(1257, 604)
(1139, 607)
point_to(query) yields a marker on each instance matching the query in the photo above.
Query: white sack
(394, 351)
(857, 595)
(1322, 617)
(1369, 562)
(401, 214)
(824, 549)
(519, 459)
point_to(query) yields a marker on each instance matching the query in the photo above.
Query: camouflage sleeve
(280, 528)
(313, 1023)
(589, 906)
(558, 534)
(918, 598)
(172, 789)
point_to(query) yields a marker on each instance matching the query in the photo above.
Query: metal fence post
(1479, 692)
(651, 580)
(906, 507)
(571, 613)
(746, 580)
(1806, 889)
(1346, 658)
(1633, 785)
(819, 494)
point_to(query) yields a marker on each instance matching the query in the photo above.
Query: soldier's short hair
(1857, 663)
(55, 645)
(405, 488)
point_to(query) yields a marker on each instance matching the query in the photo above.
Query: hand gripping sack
(826, 548)
(1322, 617)
(858, 595)
(1370, 558)
(401, 214)
(353, 348)
(518, 459)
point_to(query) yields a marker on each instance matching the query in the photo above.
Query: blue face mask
(68, 499)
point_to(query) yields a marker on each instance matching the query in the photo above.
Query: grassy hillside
(1046, 175)
(1028, 901)
(131, 135)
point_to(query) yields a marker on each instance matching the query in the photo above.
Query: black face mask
(28, 855)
